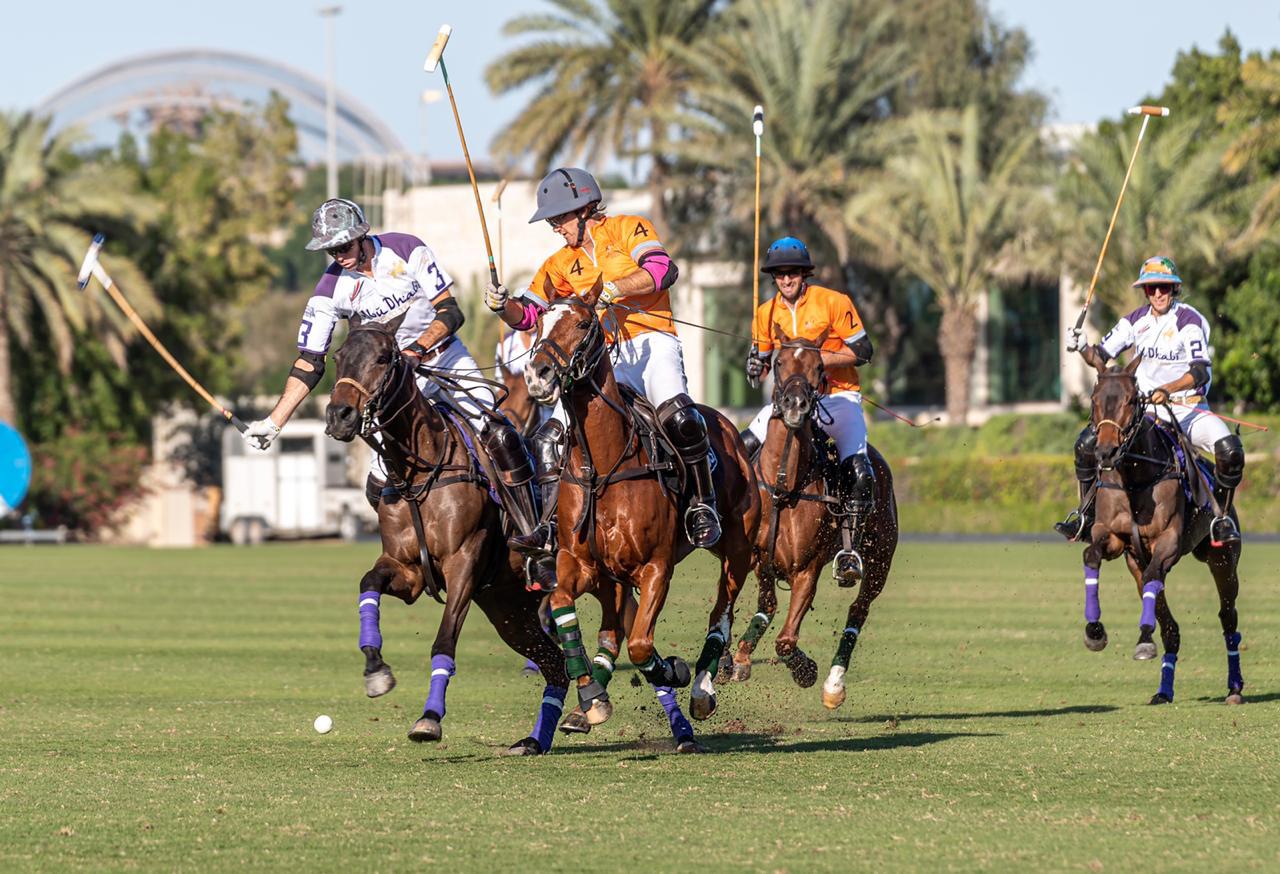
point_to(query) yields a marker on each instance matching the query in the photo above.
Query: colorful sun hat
(1158, 271)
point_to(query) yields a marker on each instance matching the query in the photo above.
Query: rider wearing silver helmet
(1173, 339)
(624, 251)
(395, 278)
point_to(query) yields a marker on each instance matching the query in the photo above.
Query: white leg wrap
(835, 680)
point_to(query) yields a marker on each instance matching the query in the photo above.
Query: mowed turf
(156, 710)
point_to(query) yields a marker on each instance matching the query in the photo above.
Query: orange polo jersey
(620, 241)
(819, 310)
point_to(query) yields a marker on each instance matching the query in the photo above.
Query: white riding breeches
(651, 363)
(840, 416)
(1201, 427)
(470, 397)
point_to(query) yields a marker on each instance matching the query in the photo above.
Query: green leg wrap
(602, 667)
(756, 629)
(712, 648)
(575, 656)
(844, 651)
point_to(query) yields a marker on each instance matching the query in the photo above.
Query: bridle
(1128, 432)
(373, 415)
(570, 368)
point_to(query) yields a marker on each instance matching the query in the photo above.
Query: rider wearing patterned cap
(1173, 340)
(811, 312)
(625, 252)
(389, 278)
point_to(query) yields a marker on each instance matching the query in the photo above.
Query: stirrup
(702, 525)
(847, 568)
(1223, 531)
(537, 540)
(540, 573)
(1074, 526)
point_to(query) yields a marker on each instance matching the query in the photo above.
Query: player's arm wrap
(862, 349)
(449, 314)
(311, 377)
(659, 265)
(1199, 371)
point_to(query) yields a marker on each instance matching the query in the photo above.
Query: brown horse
(1142, 512)
(517, 404)
(457, 535)
(619, 522)
(798, 535)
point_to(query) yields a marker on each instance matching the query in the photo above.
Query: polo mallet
(91, 267)
(757, 127)
(436, 58)
(497, 200)
(1146, 112)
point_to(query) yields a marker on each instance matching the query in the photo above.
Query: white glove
(608, 294)
(496, 297)
(1075, 339)
(261, 433)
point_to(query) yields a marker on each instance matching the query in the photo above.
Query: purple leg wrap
(369, 633)
(1149, 593)
(680, 727)
(1235, 679)
(442, 669)
(544, 730)
(531, 665)
(1166, 674)
(1092, 609)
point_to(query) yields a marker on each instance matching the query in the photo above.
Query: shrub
(83, 479)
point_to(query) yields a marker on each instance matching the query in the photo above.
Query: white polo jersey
(512, 351)
(1168, 344)
(405, 279)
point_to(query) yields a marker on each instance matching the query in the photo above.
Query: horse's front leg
(387, 575)
(1105, 548)
(574, 581)
(735, 564)
(766, 607)
(804, 584)
(459, 572)
(1164, 554)
(617, 608)
(653, 580)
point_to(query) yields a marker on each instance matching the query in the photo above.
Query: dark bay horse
(619, 522)
(1142, 512)
(459, 541)
(799, 532)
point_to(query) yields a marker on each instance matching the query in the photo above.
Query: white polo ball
(323, 724)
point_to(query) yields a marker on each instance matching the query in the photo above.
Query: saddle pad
(464, 428)
(1198, 494)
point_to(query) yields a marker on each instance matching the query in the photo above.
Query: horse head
(568, 346)
(371, 372)
(1114, 409)
(799, 378)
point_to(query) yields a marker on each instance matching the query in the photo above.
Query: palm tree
(1255, 149)
(610, 74)
(48, 196)
(941, 217)
(1177, 204)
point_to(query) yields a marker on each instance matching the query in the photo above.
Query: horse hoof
(689, 745)
(833, 698)
(426, 729)
(575, 723)
(1095, 638)
(679, 670)
(380, 682)
(1160, 698)
(1234, 697)
(601, 710)
(724, 669)
(527, 747)
(701, 708)
(1144, 652)
(804, 671)
(741, 672)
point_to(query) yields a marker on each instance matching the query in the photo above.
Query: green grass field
(156, 708)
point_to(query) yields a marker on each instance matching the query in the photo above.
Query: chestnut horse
(458, 536)
(799, 532)
(1142, 512)
(619, 524)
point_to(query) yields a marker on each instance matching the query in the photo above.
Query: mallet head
(1149, 110)
(757, 121)
(437, 48)
(90, 261)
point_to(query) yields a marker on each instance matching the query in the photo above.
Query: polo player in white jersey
(381, 278)
(1173, 340)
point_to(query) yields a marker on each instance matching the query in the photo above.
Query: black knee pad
(507, 452)
(860, 483)
(373, 491)
(1228, 461)
(548, 445)
(1086, 454)
(752, 443)
(684, 424)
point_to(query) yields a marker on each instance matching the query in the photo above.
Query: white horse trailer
(303, 485)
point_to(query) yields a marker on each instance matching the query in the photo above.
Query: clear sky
(1093, 58)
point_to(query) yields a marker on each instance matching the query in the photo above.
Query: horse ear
(592, 295)
(354, 322)
(783, 336)
(1133, 365)
(823, 338)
